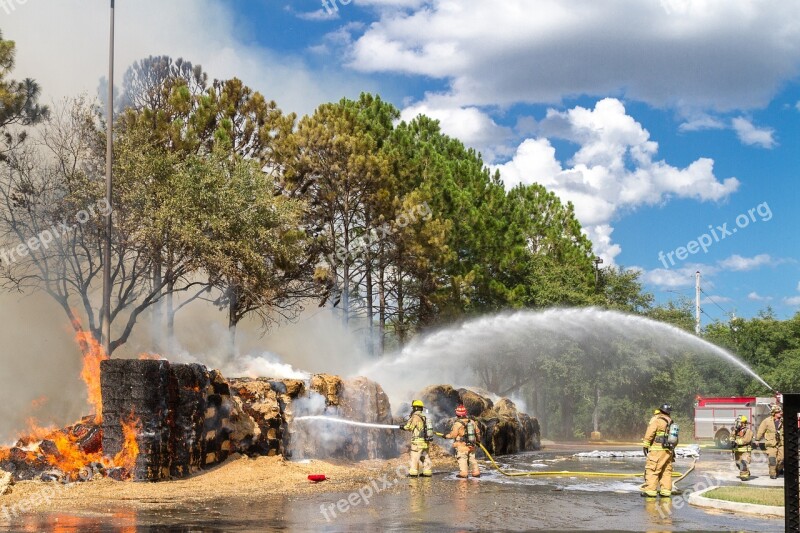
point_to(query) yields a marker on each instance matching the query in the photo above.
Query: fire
(126, 458)
(93, 353)
(76, 451)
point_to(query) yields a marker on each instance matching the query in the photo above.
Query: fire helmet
(775, 409)
(461, 411)
(665, 408)
(417, 404)
(743, 419)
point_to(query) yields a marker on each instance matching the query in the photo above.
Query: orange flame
(126, 458)
(93, 353)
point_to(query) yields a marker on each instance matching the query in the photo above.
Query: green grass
(757, 495)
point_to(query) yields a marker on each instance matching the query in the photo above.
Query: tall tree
(19, 106)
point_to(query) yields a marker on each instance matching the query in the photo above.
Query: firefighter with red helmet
(742, 438)
(419, 426)
(660, 455)
(466, 435)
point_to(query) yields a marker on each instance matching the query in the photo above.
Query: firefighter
(416, 424)
(659, 453)
(771, 430)
(743, 437)
(466, 435)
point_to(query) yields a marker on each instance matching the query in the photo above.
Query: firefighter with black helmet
(419, 426)
(771, 430)
(466, 435)
(660, 455)
(742, 439)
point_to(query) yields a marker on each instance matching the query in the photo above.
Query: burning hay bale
(264, 401)
(357, 399)
(67, 454)
(504, 429)
(137, 392)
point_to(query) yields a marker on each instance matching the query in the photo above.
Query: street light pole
(106, 315)
(597, 262)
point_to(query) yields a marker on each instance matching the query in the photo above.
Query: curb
(698, 500)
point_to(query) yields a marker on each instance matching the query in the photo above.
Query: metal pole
(697, 302)
(791, 468)
(106, 315)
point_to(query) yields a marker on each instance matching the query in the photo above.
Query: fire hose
(573, 473)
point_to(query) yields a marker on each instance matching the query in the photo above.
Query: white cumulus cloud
(738, 263)
(793, 301)
(614, 169)
(754, 296)
(752, 135)
(702, 54)
(470, 125)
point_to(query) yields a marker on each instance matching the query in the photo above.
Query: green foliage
(18, 101)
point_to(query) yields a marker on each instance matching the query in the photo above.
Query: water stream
(343, 421)
(450, 355)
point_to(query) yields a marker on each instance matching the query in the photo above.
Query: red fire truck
(714, 417)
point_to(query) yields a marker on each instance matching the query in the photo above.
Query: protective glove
(646, 450)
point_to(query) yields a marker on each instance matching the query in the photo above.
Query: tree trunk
(233, 316)
(540, 404)
(381, 303)
(596, 414)
(370, 311)
(171, 342)
(158, 311)
(401, 327)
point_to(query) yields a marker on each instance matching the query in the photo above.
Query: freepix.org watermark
(44, 238)
(48, 492)
(330, 5)
(362, 495)
(359, 246)
(10, 5)
(715, 234)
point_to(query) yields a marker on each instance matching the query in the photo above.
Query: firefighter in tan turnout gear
(419, 426)
(742, 439)
(660, 455)
(771, 431)
(466, 435)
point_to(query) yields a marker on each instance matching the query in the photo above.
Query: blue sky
(657, 118)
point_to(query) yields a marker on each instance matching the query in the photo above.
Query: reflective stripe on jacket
(744, 437)
(416, 425)
(656, 434)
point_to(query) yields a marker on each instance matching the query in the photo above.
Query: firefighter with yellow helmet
(659, 451)
(742, 439)
(421, 433)
(771, 431)
(466, 435)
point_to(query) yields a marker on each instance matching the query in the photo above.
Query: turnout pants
(419, 462)
(658, 473)
(467, 463)
(742, 460)
(775, 459)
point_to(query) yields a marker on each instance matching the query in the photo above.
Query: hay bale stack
(139, 389)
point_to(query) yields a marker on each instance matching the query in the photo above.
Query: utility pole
(597, 262)
(697, 302)
(106, 316)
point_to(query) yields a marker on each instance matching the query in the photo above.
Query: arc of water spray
(344, 421)
(571, 323)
